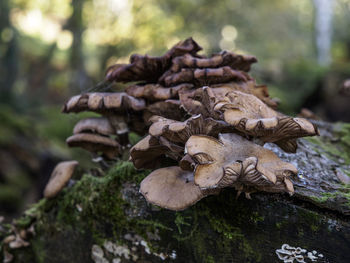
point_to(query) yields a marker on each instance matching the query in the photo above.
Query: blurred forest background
(50, 50)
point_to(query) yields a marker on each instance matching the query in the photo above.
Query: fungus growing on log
(213, 133)
(59, 178)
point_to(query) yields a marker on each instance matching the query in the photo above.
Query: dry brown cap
(59, 178)
(249, 87)
(154, 92)
(94, 125)
(251, 116)
(206, 76)
(95, 143)
(235, 161)
(171, 109)
(345, 88)
(179, 132)
(150, 151)
(224, 58)
(201, 101)
(104, 102)
(149, 69)
(171, 188)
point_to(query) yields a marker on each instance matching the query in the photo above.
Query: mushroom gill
(251, 116)
(236, 162)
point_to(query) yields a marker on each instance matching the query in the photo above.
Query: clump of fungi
(206, 114)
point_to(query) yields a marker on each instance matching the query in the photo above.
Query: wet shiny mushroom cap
(59, 178)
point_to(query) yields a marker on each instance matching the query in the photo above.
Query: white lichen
(112, 252)
(291, 254)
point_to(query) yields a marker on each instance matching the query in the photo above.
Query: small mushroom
(94, 125)
(236, 162)
(154, 92)
(345, 88)
(251, 116)
(95, 143)
(308, 114)
(59, 178)
(206, 76)
(172, 188)
(149, 69)
(224, 58)
(8, 257)
(112, 105)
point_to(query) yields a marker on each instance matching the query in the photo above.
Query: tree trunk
(101, 219)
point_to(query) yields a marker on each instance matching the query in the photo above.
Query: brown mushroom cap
(149, 69)
(201, 101)
(103, 102)
(235, 161)
(251, 116)
(249, 87)
(59, 178)
(224, 58)
(171, 188)
(148, 152)
(154, 92)
(179, 132)
(171, 109)
(94, 125)
(205, 76)
(95, 143)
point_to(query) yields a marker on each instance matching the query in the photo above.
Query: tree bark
(101, 219)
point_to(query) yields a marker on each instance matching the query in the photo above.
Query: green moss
(338, 147)
(134, 138)
(342, 193)
(216, 229)
(180, 221)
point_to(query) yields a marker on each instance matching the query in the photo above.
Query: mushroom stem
(120, 127)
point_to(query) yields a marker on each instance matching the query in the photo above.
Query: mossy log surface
(108, 215)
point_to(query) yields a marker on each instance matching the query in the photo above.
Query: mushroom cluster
(207, 119)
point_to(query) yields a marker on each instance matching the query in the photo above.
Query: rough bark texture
(109, 212)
